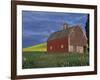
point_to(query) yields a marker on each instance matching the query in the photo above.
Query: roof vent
(65, 26)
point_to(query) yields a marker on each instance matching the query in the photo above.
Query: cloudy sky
(37, 26)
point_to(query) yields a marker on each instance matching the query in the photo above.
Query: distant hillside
(38, 47)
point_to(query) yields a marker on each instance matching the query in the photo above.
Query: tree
(87, 30)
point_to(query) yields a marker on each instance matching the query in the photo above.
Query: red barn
(70, 39)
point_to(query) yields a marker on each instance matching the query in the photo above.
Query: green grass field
(42, 59)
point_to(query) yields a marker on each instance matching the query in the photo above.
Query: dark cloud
(37, 26)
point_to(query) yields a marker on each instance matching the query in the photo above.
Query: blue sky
(37, 26)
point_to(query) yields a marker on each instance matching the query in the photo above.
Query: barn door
(74, 48)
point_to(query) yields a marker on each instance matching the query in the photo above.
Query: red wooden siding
(58, 45)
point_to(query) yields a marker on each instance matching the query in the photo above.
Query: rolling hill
(38, 47)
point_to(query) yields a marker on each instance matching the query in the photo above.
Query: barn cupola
(65, 26)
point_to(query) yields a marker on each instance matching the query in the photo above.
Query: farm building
(69, 39)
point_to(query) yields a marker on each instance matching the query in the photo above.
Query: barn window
(50, 47)
(62, 46)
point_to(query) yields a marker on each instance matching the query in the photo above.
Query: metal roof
(60, 34)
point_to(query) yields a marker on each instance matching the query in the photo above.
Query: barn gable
(77, 36)
(77, 40)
